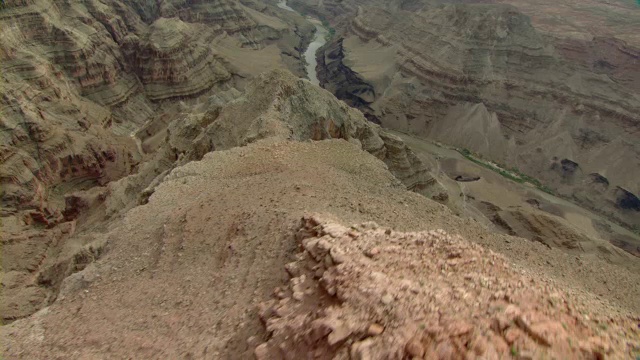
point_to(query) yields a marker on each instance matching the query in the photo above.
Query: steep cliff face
(276, 105)
(279, 105)
(173, 59)
(79, 78)
(342, 81)
(482, 77)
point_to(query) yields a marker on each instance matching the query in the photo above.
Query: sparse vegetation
(514, 351)
(514, 174)
(331, 31)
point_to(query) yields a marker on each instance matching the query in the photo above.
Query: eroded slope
(482, 77)
(79, 78)
(87, 87)
(183, 274)
(276, 105)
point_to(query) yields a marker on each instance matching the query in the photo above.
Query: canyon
(505, 81)
(90, 89)
(349, 179)
(319, 40)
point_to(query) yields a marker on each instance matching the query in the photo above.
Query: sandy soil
(182, 276)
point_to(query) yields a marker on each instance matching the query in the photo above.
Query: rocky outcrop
(80, 79)
(406, 166)
(173, 59)
(279, 105)
(387, 307)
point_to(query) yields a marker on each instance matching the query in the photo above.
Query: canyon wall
(43, 247)
(79, 78)
(484, 78)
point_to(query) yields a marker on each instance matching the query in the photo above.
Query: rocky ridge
(184, 274)
(79, 78)
(279, 105)
(276, 105)
(343, 301)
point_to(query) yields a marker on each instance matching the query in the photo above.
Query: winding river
(319, 39)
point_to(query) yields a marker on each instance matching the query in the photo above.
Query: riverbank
(517, 207)
(319, 39)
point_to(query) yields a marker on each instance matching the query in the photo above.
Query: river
(319, 39)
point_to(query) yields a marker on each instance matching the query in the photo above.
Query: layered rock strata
(79, 82)
(276, 105)
(80, 78)
(482, 77)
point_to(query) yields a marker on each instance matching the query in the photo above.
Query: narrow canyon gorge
(331, 179)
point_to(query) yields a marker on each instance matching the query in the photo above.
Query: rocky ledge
(276, 106)
(444, 299)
